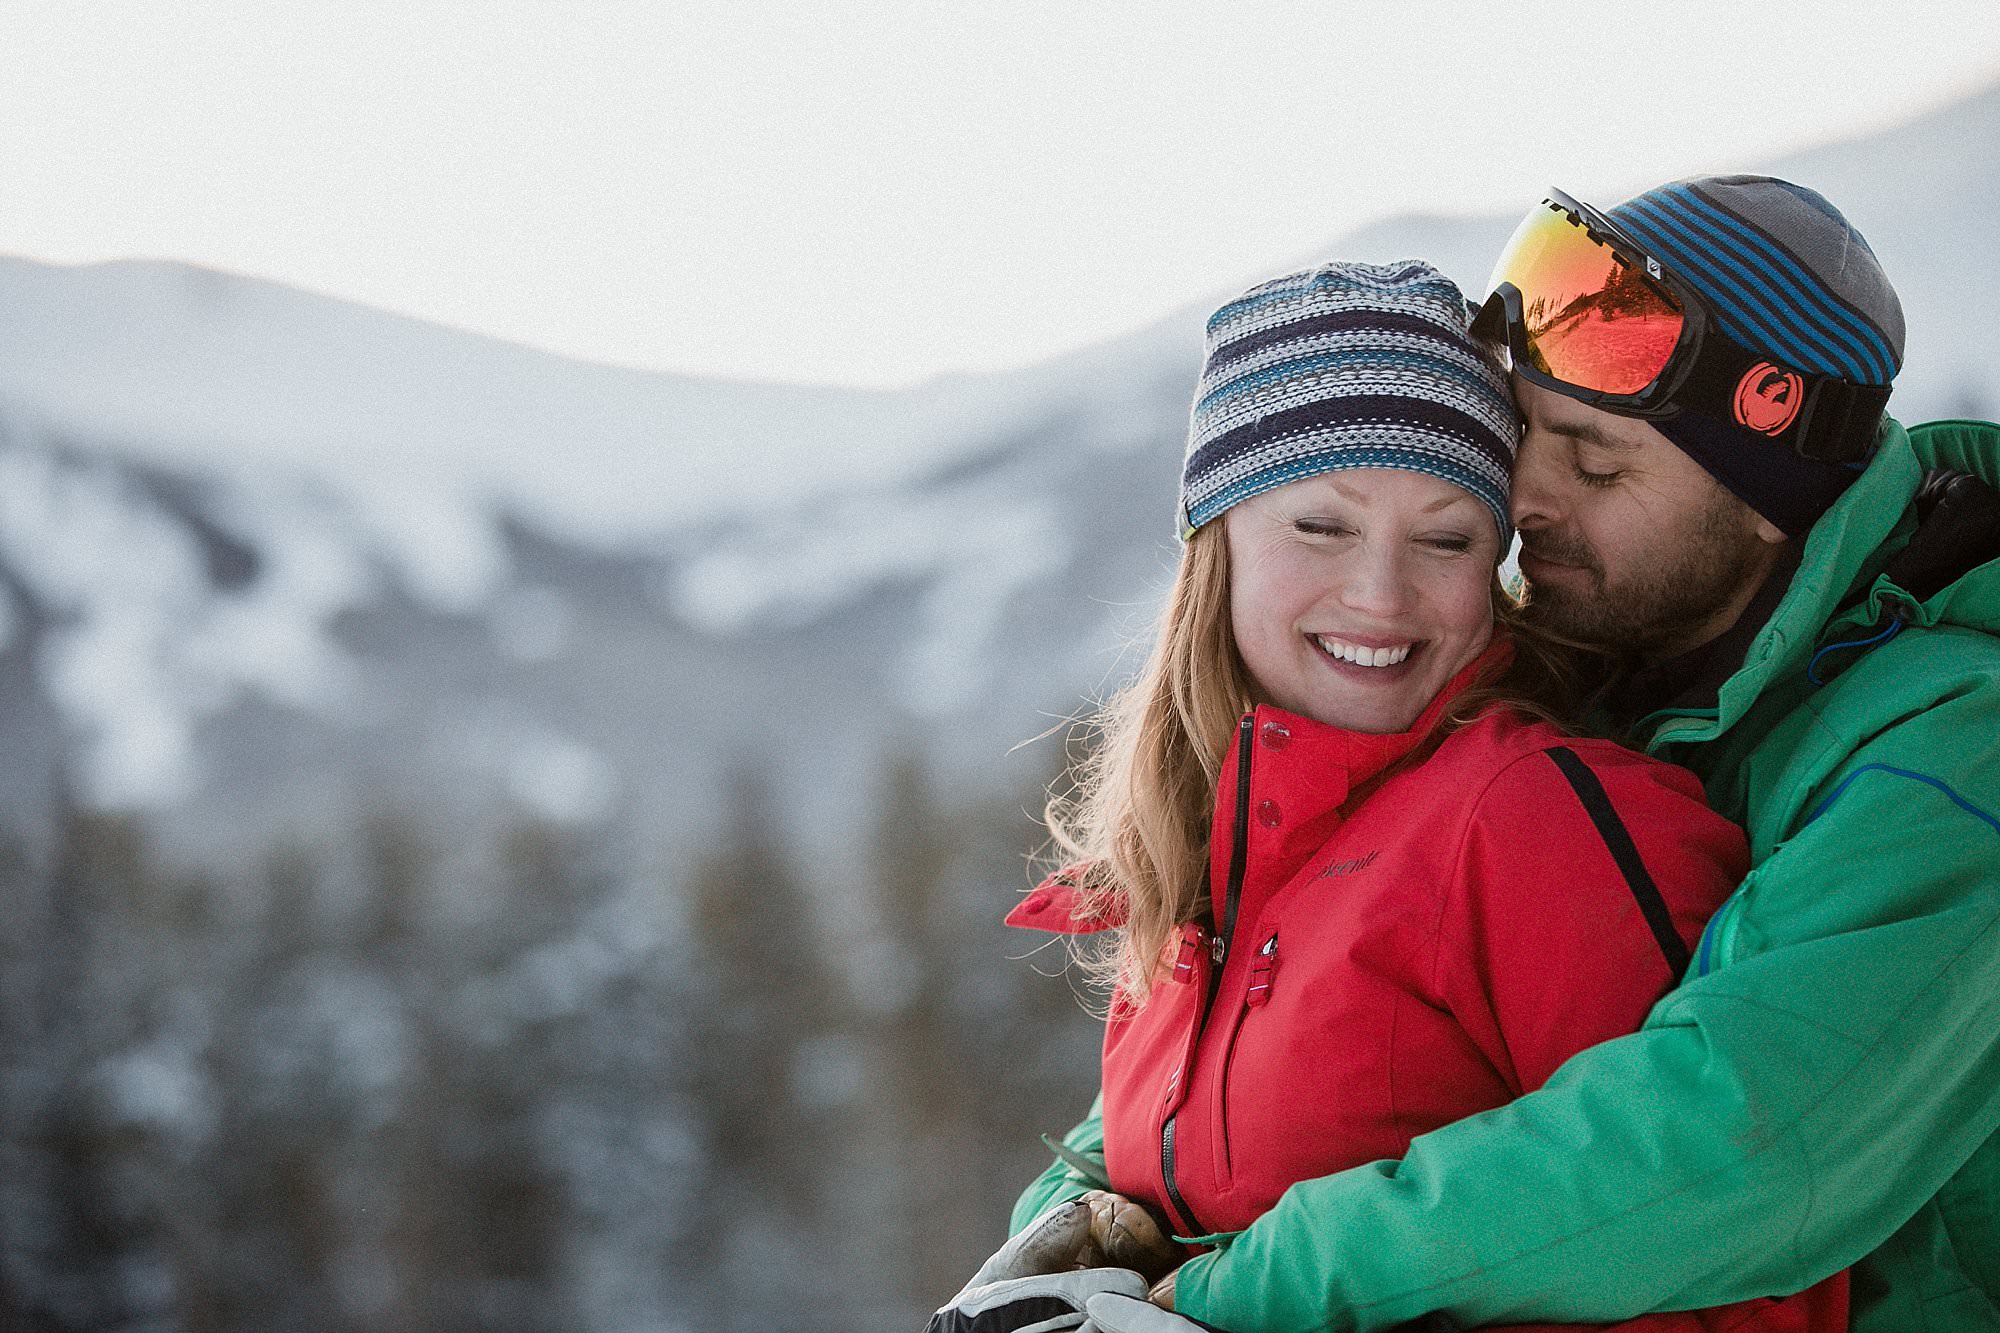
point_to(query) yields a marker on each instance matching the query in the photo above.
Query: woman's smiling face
(1355, 595)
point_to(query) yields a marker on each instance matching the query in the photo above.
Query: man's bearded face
(1626, 542)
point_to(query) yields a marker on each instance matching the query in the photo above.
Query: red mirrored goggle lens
(1589, 318)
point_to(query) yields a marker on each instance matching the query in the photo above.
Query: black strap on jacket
(1958, 528)
(1619, 842)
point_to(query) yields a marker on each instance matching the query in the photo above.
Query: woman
(1356, 882)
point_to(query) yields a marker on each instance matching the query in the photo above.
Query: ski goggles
(1591, 315)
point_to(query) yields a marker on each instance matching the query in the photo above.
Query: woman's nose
(1378, 582)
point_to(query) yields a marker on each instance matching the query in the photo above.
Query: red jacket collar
(1308, 767)
(1328, 752)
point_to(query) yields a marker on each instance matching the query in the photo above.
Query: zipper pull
(1218, 949)
(1262, 967)
(1190, 948)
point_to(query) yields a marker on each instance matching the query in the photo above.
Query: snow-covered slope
(201, 475)
(267, 553)
(194, 368)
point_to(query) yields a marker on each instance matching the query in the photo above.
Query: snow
(333, 1025)
(352, 451)
(795, 569)
(1002, 553)
(566, 976)
(159, 1088)
(142, 643)
(271, 635)
(417, 425)
(119, 581)
(531, 624)
(971, 548)
(562, 780)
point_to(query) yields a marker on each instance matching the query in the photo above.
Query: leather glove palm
(1032, 1283)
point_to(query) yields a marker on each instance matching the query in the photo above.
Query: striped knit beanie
(1787, 277)
(1347, 366)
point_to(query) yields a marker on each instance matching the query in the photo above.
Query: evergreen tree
(767, 1072)
(983, 1049)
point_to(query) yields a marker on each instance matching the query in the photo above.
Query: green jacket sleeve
(1775, 1120)
(1062, 1181)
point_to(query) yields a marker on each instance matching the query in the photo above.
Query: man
(1708, 486)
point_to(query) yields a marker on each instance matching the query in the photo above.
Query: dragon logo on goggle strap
(1768, 398)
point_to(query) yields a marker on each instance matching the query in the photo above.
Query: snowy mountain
(269, 554)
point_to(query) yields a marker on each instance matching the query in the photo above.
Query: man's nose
(1536, 502)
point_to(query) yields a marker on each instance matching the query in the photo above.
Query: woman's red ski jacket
(1372, 970)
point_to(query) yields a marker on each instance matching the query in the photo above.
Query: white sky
(876, 191)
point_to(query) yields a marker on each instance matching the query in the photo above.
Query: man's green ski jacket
(1823, 1089)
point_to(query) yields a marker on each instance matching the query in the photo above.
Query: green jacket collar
(1847, 546)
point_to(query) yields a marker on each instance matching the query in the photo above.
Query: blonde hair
(1138, 808)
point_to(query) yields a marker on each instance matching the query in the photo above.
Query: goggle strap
(1841, 421)
(1835, 420)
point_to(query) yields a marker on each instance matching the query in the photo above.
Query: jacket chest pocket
(1243, 1017)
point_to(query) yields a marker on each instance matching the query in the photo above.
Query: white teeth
(1362, 656)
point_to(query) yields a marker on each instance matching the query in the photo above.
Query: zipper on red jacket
(1239, 852)
(1239, 857)
(1262, 967)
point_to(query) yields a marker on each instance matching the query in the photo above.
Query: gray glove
(1049, 1244)
(1038, 1304)
(1032, 1283)
(1118, 1313)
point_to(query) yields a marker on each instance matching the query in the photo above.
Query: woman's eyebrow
(1446, 501)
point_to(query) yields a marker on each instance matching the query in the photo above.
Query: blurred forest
(407, 1084)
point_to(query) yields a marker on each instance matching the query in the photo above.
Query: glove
(1033, 1283)
(1124, 1234)
(1052, 1243)
(1039, 1304)
(1119, 1313)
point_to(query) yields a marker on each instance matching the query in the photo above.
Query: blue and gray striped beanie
(1347, 366)
(1788, 277)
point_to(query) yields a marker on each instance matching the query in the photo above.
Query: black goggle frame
(1836, 421)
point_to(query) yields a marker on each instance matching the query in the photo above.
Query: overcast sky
(877, 191)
